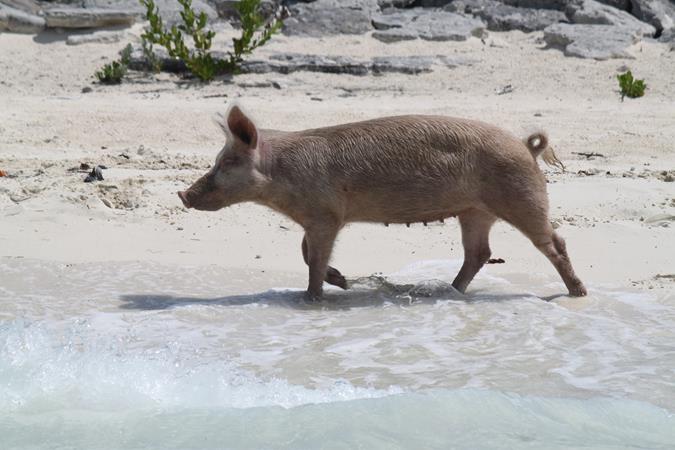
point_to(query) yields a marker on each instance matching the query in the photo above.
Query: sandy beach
(111, 260)
(616, 211)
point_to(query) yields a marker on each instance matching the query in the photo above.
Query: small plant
(112, 73)
(251, 22)
(153, 61)
(198, 58)
(630, 87)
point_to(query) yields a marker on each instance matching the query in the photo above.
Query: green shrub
(112, 73)
(629, 86)
(153, 61)
(198, 58)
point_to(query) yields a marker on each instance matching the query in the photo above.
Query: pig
(392, 170)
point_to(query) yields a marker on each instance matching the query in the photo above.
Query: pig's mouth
(183, 198)
(199, 204)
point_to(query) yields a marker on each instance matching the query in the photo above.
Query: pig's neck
(265, 159)
(272, 192)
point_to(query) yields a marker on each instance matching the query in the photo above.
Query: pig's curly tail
(537, 143)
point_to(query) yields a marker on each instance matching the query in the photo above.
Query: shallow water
(141, 355)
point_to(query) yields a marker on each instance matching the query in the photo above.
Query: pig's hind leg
(333, 276)
(475, 226)
(532, 220)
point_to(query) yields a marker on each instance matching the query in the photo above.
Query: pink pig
(400, 169)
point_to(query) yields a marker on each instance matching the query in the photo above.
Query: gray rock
(27, 6)
(452, 62)
(169, 10)
(330, 17)
(560, 5)
(623, 5)
(659, 13)
(501, 17)
(593, 12)
(286, 63)
(99, 37)
(590, 41)
(293, 62)
(398, 19)
(426, 24)
(433, 3)
(16, 21)
(87, 17)
(384, 4)
(668, 36)
(402, 64)
(395, 35)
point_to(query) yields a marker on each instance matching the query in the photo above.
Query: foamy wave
(41, 369)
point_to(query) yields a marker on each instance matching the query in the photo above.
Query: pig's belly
(407, 207)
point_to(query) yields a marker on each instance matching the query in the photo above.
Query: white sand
(618, 223)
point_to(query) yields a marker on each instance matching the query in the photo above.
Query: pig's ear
(242, 127)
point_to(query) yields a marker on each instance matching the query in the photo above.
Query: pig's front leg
(319, 238)
(333, 276)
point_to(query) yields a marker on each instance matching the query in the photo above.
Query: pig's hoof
(334, 277)
(312, 297)
(578, 291)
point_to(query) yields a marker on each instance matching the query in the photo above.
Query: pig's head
(234, 177)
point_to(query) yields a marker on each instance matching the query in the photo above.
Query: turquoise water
(90, 361)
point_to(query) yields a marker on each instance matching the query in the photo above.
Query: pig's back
(398, 169)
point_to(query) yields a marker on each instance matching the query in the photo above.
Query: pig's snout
(184, 198)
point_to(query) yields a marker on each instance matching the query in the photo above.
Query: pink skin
(393, 170)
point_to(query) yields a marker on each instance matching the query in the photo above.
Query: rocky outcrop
(87, 18)
(668, 36)
(425, 24)
(17, 21)
(286, 63)
(329, 17)
(597, 31)
(27, 6)
(501, 17)
(584, 28)
(169, 10)
(560, 5)
(294, 62)
(590, 41)
(623, 5)
(384, 4)
(593, 12)
(658, 13)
